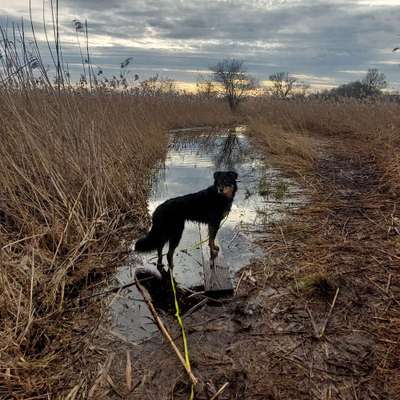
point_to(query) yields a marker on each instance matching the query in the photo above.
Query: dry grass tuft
(294, 149)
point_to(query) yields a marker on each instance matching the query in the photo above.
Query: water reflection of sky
(189, 167)
(191, 161)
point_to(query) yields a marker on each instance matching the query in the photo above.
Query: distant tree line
(371, 85)
(230, 79)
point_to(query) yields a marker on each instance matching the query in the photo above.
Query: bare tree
(371, 85)
(234, 79)
(374, 82)
(282, 84)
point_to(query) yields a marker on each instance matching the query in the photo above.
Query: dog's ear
(217, 175)
(233, 174)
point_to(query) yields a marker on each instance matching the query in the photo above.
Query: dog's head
(225, 183)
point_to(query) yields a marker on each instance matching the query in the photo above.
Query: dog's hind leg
(159, 258)
(174, 240)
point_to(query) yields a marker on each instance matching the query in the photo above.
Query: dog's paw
(214, 252)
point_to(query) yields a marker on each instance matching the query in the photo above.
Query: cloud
(354, 71)
(318, 38)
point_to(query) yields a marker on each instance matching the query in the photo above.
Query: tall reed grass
(76, 164)
(75, 173)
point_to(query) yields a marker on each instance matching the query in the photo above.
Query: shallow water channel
(263, 195)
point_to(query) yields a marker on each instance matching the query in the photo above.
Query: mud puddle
(264, 195)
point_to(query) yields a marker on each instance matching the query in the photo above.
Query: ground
(318, 317)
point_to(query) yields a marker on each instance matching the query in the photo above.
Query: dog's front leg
(212, 233)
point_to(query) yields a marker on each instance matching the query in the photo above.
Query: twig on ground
(318, 334)
(388, 283)
(195, 307)
(283, 236)
(128, 371)
(329, 314)
(114, 387)
(113, 290)
(164, 330)
(102, 375)
(384, 291)
(313, 323)
(220, 390)
(239, 282)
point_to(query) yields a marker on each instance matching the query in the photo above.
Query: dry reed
(76, 170)
(346, 237)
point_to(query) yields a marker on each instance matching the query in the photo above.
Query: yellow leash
(180, 322)
(178, 314)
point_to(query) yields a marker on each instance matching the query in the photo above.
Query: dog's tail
(150, 242)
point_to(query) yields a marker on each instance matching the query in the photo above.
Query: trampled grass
(345, 238)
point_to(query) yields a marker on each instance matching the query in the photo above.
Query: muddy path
(316, 317)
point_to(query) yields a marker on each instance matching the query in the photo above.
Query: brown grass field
(344, 243)
(76, 171)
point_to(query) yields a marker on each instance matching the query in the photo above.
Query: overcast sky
(321, 42)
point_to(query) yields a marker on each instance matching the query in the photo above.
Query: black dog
(209, 206)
